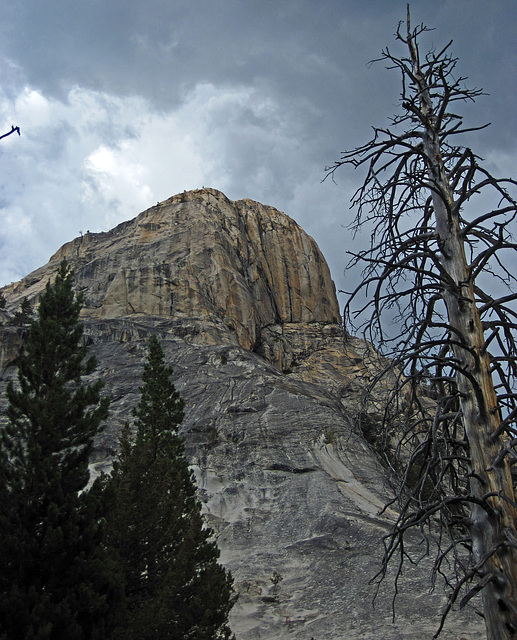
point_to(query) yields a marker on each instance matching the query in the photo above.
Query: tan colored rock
(200, 255)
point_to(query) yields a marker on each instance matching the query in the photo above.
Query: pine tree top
(160, 410)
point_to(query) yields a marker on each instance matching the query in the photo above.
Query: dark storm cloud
(123, 101)
(299, 50)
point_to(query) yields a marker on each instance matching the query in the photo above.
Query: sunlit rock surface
(244, 306)
(201, 256)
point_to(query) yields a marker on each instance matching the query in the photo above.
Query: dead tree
(13, 130)
(439, 268)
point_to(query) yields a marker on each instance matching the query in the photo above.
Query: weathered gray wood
(479, 403)
(458, 404)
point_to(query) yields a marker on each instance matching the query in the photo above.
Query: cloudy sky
(123, 103)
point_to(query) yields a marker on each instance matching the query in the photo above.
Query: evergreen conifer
(24, 315)
(175, 588)
(56, 581)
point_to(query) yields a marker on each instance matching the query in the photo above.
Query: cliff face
(244, 306)
(200, 256)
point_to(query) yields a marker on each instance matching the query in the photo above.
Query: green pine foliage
(175, 587)
(24, 315)
(56, 581)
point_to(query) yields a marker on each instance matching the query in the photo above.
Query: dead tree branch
(437, 298)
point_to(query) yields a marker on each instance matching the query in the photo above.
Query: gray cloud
(123, 103)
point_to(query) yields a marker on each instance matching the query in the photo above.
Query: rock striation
(200, 256)
(244, 306)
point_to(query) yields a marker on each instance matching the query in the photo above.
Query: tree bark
(494, 547)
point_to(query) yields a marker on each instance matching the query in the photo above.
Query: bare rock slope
(243, 303)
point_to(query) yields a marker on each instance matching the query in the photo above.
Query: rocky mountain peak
(275, 393)
(198, 255)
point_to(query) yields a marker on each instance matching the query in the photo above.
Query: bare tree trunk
(455, 484)
(494, 545)
(481, 418)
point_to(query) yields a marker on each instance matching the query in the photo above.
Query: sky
(124, 103)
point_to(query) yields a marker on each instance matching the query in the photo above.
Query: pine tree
(175, 588)
(24, 315)
(55, 579)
